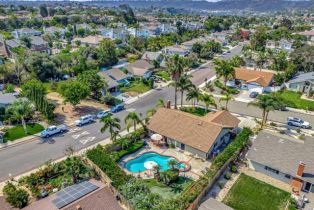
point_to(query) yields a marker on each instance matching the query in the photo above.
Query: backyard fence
(105, 179)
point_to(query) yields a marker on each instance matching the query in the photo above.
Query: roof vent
(200, 123)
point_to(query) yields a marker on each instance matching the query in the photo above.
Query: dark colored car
(117, 108)
(253, 94)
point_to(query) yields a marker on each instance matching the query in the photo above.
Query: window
(271, 169)
(287, 176)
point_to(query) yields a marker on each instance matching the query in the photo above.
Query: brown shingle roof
(222, 118)
(139, 67)
(261, 77)
(197, 132)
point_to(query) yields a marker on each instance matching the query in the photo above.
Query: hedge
(18, 198)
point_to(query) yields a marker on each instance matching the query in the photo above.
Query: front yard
(250, 193)
(137, 87)
(17, 132)
(294, 100)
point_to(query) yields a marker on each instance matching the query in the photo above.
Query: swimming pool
(138, 164)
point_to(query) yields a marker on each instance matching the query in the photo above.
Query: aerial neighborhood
(156, 106)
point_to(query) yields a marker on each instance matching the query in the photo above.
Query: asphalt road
(31, 154)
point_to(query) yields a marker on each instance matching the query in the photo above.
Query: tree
(193, 95)
(132, 118)
(81, 32)
(226, 97)
(303, 58)
(237, 61)
(20, 110)
(92, 80)
(73, 167)
(27, 41)
(258, 40)
(18, 198)
(175, 65)
(224, 69)
(208, 100)
(160, 103)
(73, 92)
(107, 53)
(43, 10)
(172, 163)
(184, 84)
(111, 124)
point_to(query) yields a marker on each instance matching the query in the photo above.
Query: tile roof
(284, 153)
(222, 117)
(212, 204)
(139, 67)
(197, 132)
(261, 77)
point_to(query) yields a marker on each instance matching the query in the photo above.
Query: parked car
(254, 94)
(53, 130)
(84, 120)
(298, 122)
(102, 113)
(117, 108)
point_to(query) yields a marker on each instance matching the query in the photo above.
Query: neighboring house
(282, 44)
(18, 33)
(303, 82)
(221, 36)
(6, 99)
(212, 204)
(38, 44)
(114, 33)
(203, 136)
(140, 68)
(284, 158)
(176, 49)
(247, 79)
(140, 32)
(201, 40)
(309, 35)
(114, 78)
(84, 26)
(166, 28)
(54, 30)
(152, 56)
(88, 41)
(192, 25)
(245, 33)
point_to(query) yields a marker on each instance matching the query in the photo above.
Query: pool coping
(151, 151)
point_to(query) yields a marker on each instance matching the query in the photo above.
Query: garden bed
(293, 99)
(17, 132)
(243, 195)
(198, 111)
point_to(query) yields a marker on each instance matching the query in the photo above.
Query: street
(31, 154)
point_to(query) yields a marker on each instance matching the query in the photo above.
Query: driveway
(244, 96)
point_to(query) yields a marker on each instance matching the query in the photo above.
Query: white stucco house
(303, 82)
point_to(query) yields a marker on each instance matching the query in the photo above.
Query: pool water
(137, 164)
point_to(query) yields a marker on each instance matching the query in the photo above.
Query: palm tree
(193, 95)
(124, 143)
(226, 97)
(208, 100)
(149, 114)
(172, 163)
(224, 69)
(20, 110)
(132, 118)
(157, 169)
(73, 167)
(111, 124)
(175, 65)
(160, 103)
(184, 84)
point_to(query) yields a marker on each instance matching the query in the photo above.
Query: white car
(298, 122)
(84, 120)
(52, 130)
(103, 113)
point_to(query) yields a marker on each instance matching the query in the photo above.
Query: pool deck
(198, 166)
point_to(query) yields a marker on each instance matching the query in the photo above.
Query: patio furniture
(156, 138)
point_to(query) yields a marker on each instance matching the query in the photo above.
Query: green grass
(17, 132)
(136, 86)
(293, 100)
(168, 191)
(250, 193)
(52, 86)
(164, 75)
(198, 111)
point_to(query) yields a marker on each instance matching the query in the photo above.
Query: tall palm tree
(175, 65)
(111, 124)
(226, 97)
(184, 84)
(20, 110)
(224, 69)
(193, 95)
(208, 100)
(132, 118)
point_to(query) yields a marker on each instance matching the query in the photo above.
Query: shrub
(234, 169)
(273, 124)
(228, 176)
(221, 185)
(9, 88)
(298, 130)
(169, 176)
(18, 198)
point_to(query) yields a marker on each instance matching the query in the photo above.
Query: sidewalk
(19, 141)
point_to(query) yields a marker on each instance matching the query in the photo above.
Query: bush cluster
(18, 198)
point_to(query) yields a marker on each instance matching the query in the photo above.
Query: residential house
(245, 33)
(55, 30)
(202, 40)
(282, 44)
(140, 68)
(309, 35)
(284, 158)
(114, 78)
(192, 25)
(167, 28)
(202, 136)
(152, 56)
(18, 33)
(88, 40)
(221, 36)
(181, 50)
(7, 99)
(84, 26)
(212, 204)
(140, 32)
(246, 79)
(303, 82)
(114, 33)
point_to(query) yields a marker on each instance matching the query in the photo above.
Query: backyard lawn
(136, 86)
(294, 100)
(17, 132)
(198, 111)
(244, 195)
(168, 191)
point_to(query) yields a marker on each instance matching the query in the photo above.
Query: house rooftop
(112, 76)
(284, 153)
(139, 67)
(212, 204)
(94, 40)
(197, 132)
(302, 77)
(260, 77)
(7, 98)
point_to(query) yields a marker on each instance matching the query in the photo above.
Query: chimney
(168, 105)
(78, 207)
(300, 169)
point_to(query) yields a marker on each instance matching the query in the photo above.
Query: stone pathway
(223, 192)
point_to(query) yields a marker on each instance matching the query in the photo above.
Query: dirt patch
(65, 114)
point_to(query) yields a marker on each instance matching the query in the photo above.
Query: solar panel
(73, 193)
